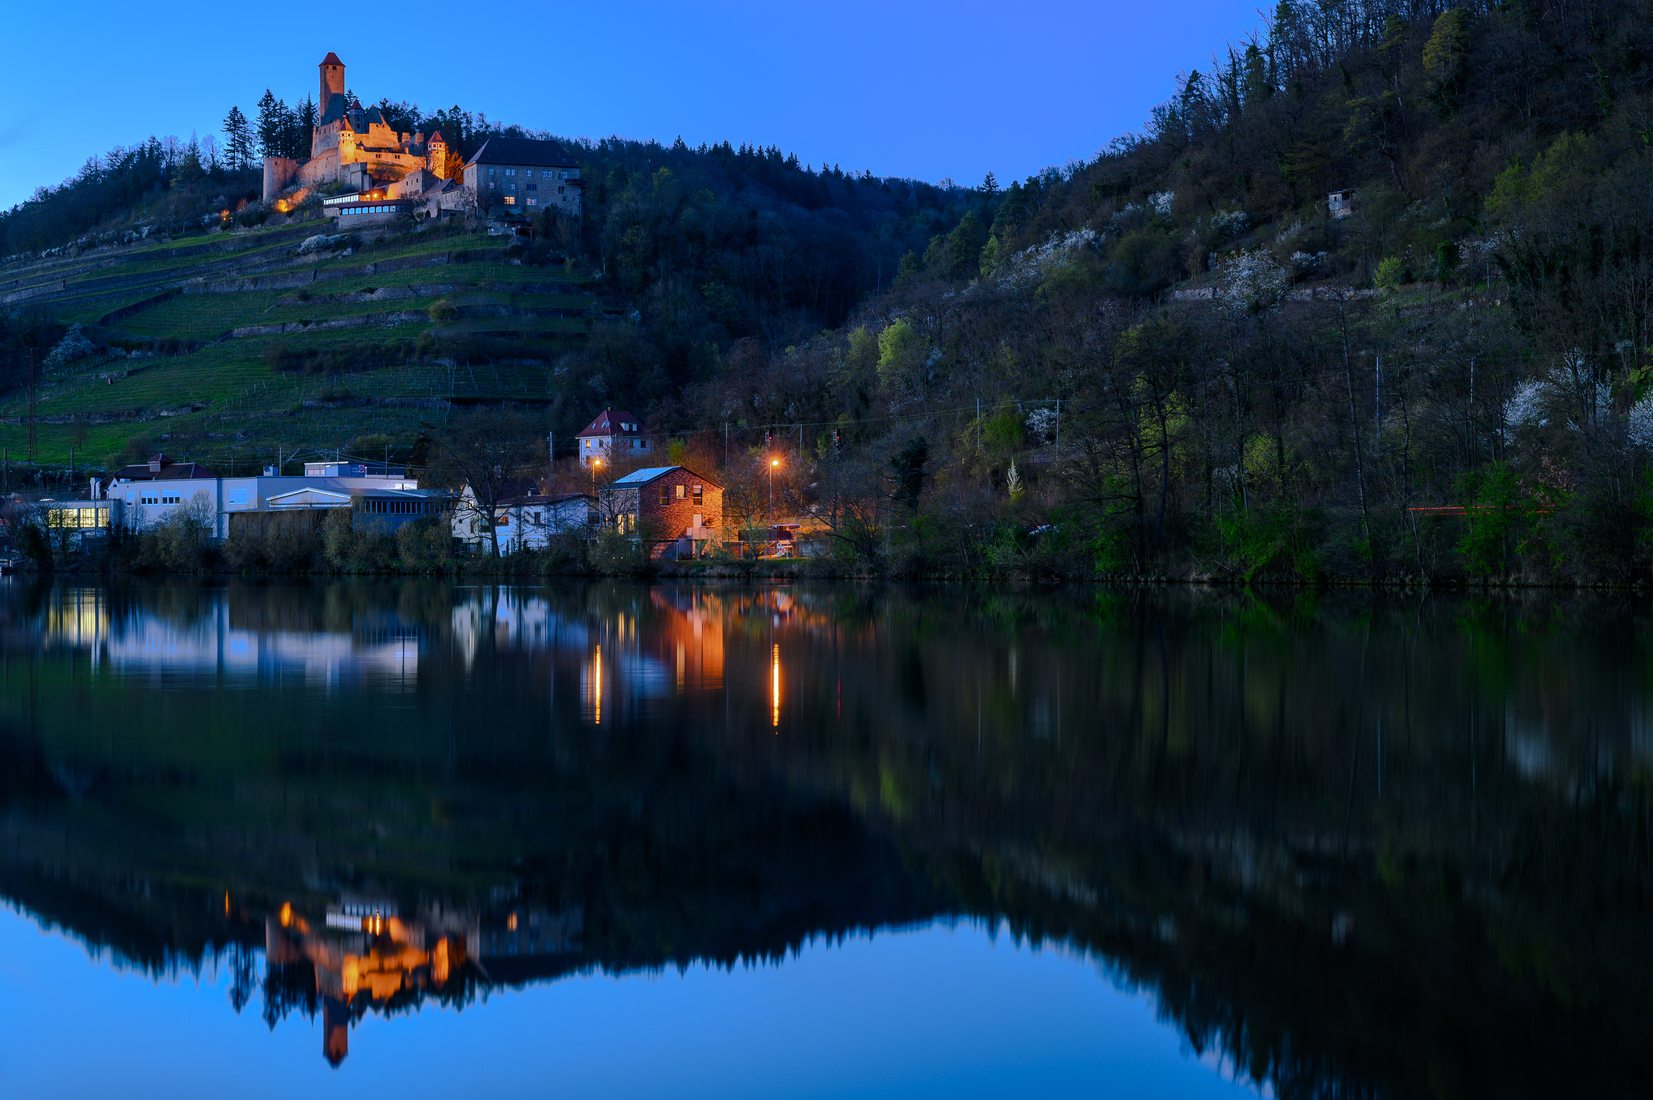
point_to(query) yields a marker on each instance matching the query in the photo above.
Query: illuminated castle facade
(356, 146)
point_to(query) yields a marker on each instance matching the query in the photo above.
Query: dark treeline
(162, 182)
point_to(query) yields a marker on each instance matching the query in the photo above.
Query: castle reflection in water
(359, 955)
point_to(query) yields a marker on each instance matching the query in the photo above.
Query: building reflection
(356, 956)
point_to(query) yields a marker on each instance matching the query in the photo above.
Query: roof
(542, 498)
(524, 151)
(435, 136)
(651, 473)
(608, 423)
(331, 59)
(170, 471)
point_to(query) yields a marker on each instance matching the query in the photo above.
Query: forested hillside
(1173, 359)
(1184, 364)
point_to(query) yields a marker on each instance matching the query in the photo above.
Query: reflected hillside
(1356, 847)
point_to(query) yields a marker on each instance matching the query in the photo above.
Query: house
(1340, 204)
(522, 176)
(525, 515)
(676, 511)
(614, 436)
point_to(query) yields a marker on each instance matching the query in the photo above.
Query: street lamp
(774, 464)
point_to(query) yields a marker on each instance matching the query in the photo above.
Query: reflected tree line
(1357, 846)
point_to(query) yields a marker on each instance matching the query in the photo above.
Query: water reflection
(1350, 846)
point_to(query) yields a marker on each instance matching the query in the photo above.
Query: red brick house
(678, 512)
(615, 436)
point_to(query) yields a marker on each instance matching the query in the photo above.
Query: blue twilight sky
(924, 90)
(940, 1011)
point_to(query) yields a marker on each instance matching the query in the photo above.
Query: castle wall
(278, 173)
(320, 169)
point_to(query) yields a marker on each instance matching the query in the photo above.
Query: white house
(527, 519)
(614, 436)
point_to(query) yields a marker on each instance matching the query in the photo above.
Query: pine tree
(238, 145)
(271, 132)
(306, 127)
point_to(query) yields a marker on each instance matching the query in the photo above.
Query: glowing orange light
(774, 464)
(511, 923)
(775, 686)
(286, 916)
(597, 685)
(226, 903)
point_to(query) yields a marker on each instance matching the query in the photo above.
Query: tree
(1444, 53)
(238, 141)
(275, 126)
(487, 456)
(305, 124)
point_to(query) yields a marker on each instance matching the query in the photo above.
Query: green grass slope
(228, 347)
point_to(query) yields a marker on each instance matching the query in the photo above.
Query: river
(618, 839)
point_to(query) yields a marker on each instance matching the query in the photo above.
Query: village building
(676, 512)
(143, 496)
(524, 177)
(526, 517)
(389, 172)
(614, 436)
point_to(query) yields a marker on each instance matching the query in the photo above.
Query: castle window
(510, 200)
(533, 202)
(490, 172)
(533, 187)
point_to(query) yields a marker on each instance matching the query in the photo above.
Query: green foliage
(1391, 273)
(1445, 52)
(901, 354)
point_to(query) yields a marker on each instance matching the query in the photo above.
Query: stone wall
(278, 173)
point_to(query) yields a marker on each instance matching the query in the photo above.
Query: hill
(227, 343)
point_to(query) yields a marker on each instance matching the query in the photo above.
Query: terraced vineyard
(228, 346)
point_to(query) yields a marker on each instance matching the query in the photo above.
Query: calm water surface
(430, 839)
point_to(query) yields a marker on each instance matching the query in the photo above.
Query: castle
(359, 148)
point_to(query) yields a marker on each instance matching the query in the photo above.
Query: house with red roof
(615, 436)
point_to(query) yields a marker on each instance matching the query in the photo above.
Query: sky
(945, 1011)
(923, 90)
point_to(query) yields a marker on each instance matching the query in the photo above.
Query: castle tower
(332, 85)
(436, 155)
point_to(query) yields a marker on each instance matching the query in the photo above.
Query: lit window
(680, 492)
(510, 200)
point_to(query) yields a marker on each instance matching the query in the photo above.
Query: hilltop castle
(359, 148)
